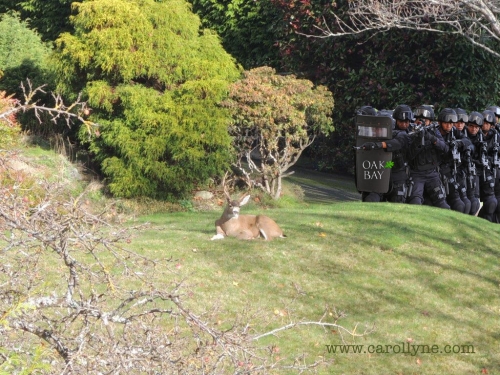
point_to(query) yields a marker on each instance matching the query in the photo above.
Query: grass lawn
(420, 276)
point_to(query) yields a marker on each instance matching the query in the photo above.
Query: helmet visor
(448, 117)
(495, 109)
(476, 119)
(489, 117)
(463, 117)
(405, 115)
(422, 112)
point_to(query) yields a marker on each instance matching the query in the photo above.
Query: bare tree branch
(475, 20)
(77, 110)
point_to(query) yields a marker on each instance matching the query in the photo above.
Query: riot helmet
(424, 111)
(447, 115)
(462, 115)
(387, 113)
(367, 111)
(402, 112)
(495, 109)
(476, 118)
(489, 116)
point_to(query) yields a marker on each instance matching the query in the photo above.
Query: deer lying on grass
(244, 227)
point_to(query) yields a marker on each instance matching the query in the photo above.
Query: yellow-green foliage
(17, 364)
(154, 80)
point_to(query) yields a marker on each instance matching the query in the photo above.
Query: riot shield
(373, 167)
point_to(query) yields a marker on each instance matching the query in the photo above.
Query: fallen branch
(76, 111)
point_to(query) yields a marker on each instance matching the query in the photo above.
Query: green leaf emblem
(389, 164)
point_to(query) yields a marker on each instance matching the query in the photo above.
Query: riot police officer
(424, 115)
(462, 119)
(424, 159)
(470, 158)
(484, 153)
(400, 141)
(451, 160)
(491, 117)
(496, 110)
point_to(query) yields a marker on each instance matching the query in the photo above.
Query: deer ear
(244, 200)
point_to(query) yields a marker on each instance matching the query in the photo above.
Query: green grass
(420, 275)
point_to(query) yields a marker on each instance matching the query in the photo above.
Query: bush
(154, 81)
(22, 55)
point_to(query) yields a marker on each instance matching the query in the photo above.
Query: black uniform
(400, 170)
(496, 170)
(453, 173)
(424, 162)
(468, 177)
(483, 153)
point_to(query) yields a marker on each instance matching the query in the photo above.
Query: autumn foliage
(274, 119)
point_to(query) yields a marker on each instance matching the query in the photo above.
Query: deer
(244, 227)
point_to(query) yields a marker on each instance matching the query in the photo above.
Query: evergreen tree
(48, 17)
(153, 79)
(250, 30)
(22, 54)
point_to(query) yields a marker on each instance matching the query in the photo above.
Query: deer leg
(263, 234)
(220, 233)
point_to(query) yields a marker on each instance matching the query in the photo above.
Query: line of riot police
(450, 162)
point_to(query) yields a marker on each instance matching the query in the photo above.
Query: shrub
(154, 81)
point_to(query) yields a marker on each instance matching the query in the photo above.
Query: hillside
(412, 282)
(419, 276)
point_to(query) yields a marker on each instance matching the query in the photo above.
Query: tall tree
(154, 80)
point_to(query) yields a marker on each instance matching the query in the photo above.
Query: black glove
(430, 137)
(372, 146)
(417, 131)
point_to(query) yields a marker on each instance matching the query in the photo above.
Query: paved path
(324, 187)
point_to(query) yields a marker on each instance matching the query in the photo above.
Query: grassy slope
(419, 274)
